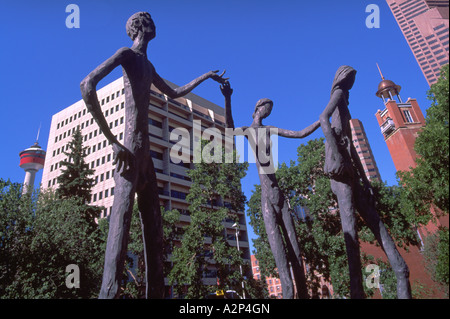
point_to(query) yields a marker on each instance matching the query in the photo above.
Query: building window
(154, 123)
(408, 116)
(156, 155)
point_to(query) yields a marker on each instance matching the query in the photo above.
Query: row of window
(83, 112)
(112, 97)
(90, 122)
(89, 136)
(70, 119)
(102, 194)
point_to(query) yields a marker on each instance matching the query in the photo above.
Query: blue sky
(285, 50)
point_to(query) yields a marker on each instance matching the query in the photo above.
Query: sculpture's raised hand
(216, 77)
(123, 158)
(226, 89)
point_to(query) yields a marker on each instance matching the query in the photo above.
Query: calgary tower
(31, 160)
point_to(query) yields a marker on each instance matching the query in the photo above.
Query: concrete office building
(164, 115)
(362, 146)
(425, 25)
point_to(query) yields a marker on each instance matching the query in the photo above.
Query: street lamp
(236, 227)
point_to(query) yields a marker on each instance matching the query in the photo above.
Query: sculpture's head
(344, 78)
(263, 107)
(141, 22)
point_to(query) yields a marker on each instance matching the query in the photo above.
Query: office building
(164, 116)
(273, 284)
(425, 25)
(362, 146)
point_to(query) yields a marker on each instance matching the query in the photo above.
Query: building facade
(362, 146)
(191, 113)
(273, 283)
(425, 25)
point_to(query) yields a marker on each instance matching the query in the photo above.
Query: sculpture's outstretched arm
(185, 89)
(297, 134)
(89, 93)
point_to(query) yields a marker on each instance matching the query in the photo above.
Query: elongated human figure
(277, 218)
(343, 165)
(134, 166)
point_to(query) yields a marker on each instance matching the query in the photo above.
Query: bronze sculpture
(134, 165)
(343, 165)
(277, 218)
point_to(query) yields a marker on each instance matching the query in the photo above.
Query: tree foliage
(214, 198)
(428, 182)
(436, 255)
(76, 178)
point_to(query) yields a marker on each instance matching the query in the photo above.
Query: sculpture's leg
(344, 193)
(119, 228)
(278, 248)
(294, 252)
(152, 233)
(368, 212)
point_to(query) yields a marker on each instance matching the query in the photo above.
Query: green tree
(427, 183)
(62, 236)
(436, 255)
(40, 236)
(16, 235)
(76, 178)
(215, 197)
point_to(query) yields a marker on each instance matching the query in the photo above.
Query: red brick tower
(399, 123)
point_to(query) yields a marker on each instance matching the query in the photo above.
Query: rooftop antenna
(379, 70)
(39, 131)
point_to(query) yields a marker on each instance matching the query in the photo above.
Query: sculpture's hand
(226, 89)
(123, 158)
(216, 77)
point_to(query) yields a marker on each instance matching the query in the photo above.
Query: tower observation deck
(31, 160)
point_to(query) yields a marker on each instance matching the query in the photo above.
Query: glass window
(408, 116)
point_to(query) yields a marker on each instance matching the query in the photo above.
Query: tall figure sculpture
(277, 218)
(134, 166)
(352, 188)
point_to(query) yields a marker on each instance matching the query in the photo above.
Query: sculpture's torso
(137, 77)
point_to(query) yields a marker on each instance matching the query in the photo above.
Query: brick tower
(399, 123)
